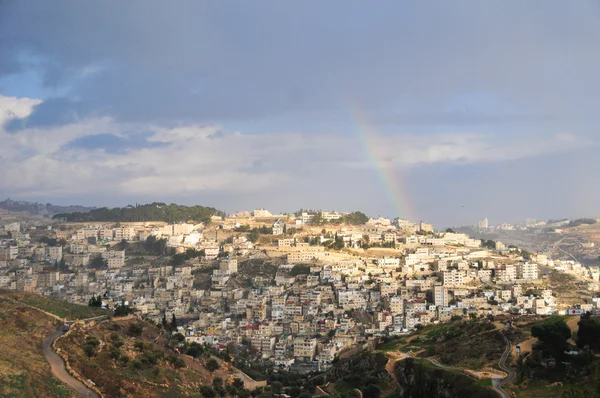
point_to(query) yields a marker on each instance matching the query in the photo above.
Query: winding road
(57, 366)
(498, 383)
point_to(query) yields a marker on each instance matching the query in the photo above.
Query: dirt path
(57, 366)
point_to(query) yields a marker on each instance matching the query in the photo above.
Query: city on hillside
(297, 289)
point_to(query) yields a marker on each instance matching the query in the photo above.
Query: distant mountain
(40, 209)
(138, 213)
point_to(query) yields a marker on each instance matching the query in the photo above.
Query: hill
(24, 371)
(42, 209)
(150, 212)
(127, 357)
(117, 357)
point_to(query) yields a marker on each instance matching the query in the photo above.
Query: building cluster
(315, 301)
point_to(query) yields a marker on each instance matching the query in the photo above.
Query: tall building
(440, 296)
(527, 271)
(483, 224)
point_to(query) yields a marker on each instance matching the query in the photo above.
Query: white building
(440, 296)
(452, 278)
(261, 213)
(527, 271)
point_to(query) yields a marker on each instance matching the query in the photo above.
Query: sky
(446, 112)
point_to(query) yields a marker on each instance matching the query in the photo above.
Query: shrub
(212, 365)
(135, 329)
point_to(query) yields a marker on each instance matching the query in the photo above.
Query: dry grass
(24, 371)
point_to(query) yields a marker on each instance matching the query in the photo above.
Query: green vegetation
(365, 372)
(390, 344)
(588, 335)
(582, 221)
(155, 246)
(122, 309)
(418, 379)
(354, 218)
(471, 344)
(300, 269)
(553, 333)
(150, 212)
(59, 308)
(95, 301)
(488, 244)
(39, 208)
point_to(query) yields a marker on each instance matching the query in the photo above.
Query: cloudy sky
(444, 111)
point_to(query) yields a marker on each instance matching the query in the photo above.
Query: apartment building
(106, 234)
(397, 305)
(528, 271)
(285, 242)
(9, 252)
(452, 278)
(440, 296)
(124, 233)
(506, 273)
(47, 279)
(305, 348)
(54, 253)
(301, 257)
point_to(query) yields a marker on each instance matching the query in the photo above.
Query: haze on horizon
(442, 111)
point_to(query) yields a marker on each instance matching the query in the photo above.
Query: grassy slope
(118, 378)
(59, 308)
(24, 372)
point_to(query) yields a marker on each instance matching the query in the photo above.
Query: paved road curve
(57, 366)
(497, 383)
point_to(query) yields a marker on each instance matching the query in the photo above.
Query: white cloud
(16, 108)
(194, 159)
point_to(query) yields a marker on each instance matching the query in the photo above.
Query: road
(57, 366)
(498, 383)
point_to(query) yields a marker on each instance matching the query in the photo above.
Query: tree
(122, 309)
(207, 392)
(95, 301)
(194, 350)
(135, 329)
(318, 219)
(299, 269)
(62, 266)
(254, 235)
(588, 334)
(371, 391)
(164, 322)
(98, 262)
(173, 323)
(277, 387)
(356, 218)
(553, 333)
(450, 230)
(212, 365)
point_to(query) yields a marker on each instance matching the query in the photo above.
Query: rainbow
(390, 180)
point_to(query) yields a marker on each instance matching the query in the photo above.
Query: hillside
(59, 308)
(24, 371)
(43, 209)
(129, 357)
(123, 357)
(149, 212)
